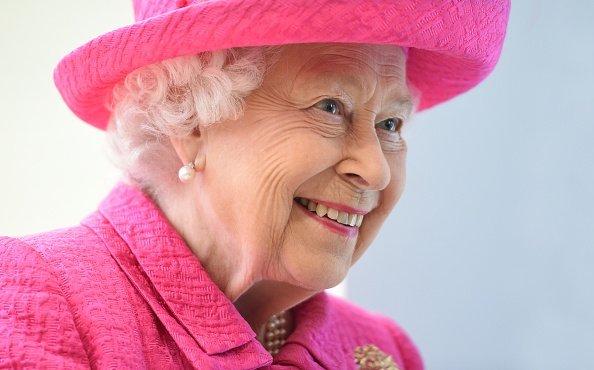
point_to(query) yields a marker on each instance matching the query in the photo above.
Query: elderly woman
(262, 151)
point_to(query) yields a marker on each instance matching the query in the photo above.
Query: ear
(191, 148)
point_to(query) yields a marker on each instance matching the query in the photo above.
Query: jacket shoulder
(83, 279)
(66, 242)
(361, 322)
(32, 304)
(69, 251)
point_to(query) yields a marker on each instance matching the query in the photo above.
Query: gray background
(487, 259)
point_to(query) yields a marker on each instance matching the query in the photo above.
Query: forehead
(362, 66)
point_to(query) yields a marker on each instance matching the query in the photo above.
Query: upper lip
(340, 207)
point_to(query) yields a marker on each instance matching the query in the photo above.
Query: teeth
(359, 220)
(321, 210)
(333, 214)
(343, 218)
(352, 220)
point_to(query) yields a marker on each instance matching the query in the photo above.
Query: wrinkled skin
(238, 214)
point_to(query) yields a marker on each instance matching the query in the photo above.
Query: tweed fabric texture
(124, 291)
(453, 44)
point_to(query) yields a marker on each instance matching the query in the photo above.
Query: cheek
(257, 169)
(294, 149)
(388, 199)
(392, 193)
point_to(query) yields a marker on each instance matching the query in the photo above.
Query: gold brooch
(369, 357)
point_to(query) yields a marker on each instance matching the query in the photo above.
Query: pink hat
(453, 45)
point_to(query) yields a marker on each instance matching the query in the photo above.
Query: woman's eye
(330, 106)
(390, 124)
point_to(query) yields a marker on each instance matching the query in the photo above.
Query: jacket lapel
(163, 269)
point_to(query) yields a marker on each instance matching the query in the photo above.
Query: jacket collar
(172, 280)
(316, 334)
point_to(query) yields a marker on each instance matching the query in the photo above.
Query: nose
(364, 163)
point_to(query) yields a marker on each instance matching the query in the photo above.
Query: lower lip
(333, 226)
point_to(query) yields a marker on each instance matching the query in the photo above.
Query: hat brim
(452, 45)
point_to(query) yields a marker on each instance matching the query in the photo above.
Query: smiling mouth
(341, 217)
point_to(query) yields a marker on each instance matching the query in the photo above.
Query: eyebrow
(406, 103)
(402, 102)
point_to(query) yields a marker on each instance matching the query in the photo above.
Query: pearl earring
(187, 172)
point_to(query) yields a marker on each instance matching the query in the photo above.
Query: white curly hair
(173, 98)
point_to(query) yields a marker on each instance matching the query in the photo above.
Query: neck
(266, 298)
(236, 276)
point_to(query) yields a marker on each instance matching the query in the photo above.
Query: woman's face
(323, 127)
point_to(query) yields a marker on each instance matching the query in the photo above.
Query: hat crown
(144, 9)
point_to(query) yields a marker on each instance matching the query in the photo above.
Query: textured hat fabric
(453, 44)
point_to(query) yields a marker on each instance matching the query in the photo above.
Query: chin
(318, 273)
(313, 257)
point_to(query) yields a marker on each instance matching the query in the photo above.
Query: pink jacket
(123, 291)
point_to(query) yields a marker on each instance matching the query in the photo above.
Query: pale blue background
(488, 260)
